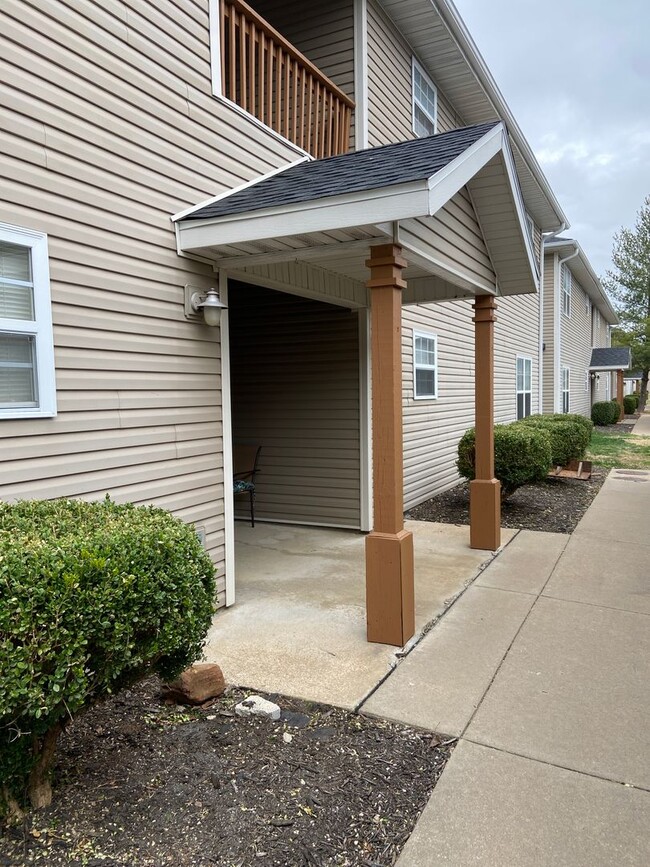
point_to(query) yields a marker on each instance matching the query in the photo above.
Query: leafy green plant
(569, 435)
(522, 455)
(605, 412)
(93, 596)
(630, 404)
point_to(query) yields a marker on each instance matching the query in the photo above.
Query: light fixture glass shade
(211, 306)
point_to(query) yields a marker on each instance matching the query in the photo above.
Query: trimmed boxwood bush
(569, 435)
(93, 596)
(522, 455)
(605, 412)
(630, 404)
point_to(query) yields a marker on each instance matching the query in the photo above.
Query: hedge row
(525, 451)
(94, 596)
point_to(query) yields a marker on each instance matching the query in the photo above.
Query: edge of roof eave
(571, 243)
(468, 47)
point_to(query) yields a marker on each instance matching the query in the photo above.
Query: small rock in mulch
(552, 506)
(255, 705)
(200, 788)
(196, 685)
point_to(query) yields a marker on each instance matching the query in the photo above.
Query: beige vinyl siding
(323, 32)
(295, 392)
(575, 349)
(550, 300)
(453, 238)
(516, 333)
(390, 96)
(433, 427)
(109, 127)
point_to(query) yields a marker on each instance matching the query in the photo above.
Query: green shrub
(569, 435)
(630, 404)
(604, 412)
(616, 412)
(93, 596)
(635, 398)
(522, 455)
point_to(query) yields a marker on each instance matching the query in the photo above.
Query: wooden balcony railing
(265, 75)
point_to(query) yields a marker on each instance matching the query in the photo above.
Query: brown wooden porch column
(485, 490)
(390, 607)
(619, 394)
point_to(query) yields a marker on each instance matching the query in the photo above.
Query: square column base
(390, 597)
(485, 514)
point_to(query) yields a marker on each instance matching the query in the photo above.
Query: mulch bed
(139, 783)
(553, 506)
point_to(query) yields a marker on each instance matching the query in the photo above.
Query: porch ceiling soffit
(445, 47)
(328, 213)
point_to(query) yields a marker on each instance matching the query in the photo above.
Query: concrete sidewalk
(542, 670)
(642, 426)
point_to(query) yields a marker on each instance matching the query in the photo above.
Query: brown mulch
(553, 506)
(139, 783)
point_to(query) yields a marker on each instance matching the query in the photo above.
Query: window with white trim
(566, 291)
(586, 380)
(425, 102)
(587, 304)
(27, 387)
(566, 389)
(425, 366)
(524, 386)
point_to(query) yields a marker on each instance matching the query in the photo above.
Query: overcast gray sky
(576, 75)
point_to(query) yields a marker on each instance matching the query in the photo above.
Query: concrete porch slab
(298, 626)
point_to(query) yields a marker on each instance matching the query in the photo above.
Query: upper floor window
(425, 102)
(425, 365)
(597, 318)
(26, 348)
(524, 386)
(566, 291)
(587, 304)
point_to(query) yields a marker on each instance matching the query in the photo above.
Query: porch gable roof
(418, 159)
(330, 212)
(610, 358)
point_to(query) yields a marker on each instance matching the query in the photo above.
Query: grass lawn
(619, 450)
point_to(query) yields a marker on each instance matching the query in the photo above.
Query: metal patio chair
(245, 467)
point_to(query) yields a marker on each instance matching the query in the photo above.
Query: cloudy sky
(576, 75)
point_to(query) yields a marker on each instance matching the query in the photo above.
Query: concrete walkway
(542, 670)
(642, 426)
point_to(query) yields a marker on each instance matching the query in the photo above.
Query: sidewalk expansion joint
(539, 761)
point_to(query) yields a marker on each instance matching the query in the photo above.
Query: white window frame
(587, 304)
(597, 318)
(587, 380)
(40, 328)
(566, 292)
(566, 374)
(416, 65)
(428, 335)
(526, 359)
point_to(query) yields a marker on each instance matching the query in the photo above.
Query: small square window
(425, 366)
(425, 102)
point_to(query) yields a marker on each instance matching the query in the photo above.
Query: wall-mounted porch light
(209, 304)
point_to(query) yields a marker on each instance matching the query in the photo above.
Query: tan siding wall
(549, 302)
(109, 126)
(389, 84)
(601, 338)
(295, 392)
(432, 428)
(575, 349)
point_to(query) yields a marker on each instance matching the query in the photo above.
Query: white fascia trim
(244, 186)
(453, 177)
(361, 208)
(617, 367)
(361, 123)
(511, 171)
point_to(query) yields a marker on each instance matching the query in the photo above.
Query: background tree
(629, 284)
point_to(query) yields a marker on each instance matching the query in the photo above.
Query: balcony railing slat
(268, 77)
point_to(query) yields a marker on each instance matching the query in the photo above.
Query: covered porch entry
(375, 230)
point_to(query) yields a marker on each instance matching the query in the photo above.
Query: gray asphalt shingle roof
(352, 172)
(611, 356)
